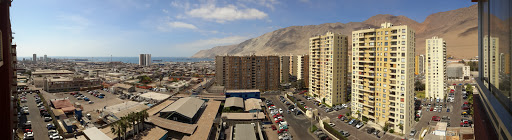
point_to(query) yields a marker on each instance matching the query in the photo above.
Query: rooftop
(155, 96)
(154, 134)
(252, 103)
(187, 106)
(205, 123)
(95, 134)
(244, 132)
(244, 116)
(242, 90)
(173, 125)
(234, 102)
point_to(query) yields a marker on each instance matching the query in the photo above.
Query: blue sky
(180, 28)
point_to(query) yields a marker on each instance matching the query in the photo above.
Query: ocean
(134, 60)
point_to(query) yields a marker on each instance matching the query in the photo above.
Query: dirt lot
(110, 99)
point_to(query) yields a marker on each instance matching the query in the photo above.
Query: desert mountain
(458, 28)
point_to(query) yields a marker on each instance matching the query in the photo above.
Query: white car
(51, 132)
(344, 105)
(332, 124)
(47, 119)
(55, 136)
(359, 125)
(280, 111)
(28, 136)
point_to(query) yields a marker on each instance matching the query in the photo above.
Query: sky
(180, 28)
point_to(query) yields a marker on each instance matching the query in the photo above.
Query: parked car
(332, 124)
(359, 125)
(412, 132)
(436, 118)
(273, 127)
(370, 130)
(351, 121)
(47, 119)
(28, 136)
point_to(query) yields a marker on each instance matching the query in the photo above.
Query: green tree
(132, 118)
(418, 86)
(401, 126)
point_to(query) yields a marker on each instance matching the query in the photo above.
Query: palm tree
(143, 116)
(132, 118)
(125, 125)
(116, 129)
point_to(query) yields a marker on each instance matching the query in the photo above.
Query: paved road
(355, 134)
(298, 125)
(38, 124)
(454, 114)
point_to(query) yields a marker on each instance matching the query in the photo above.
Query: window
(386, 34)
(403, 30)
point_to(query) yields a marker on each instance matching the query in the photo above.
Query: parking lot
(454, 114)
(38, 125)
(355, 134)
(298, 124)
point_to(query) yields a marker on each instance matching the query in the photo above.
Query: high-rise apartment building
(302, 68)
(8, 93)
(285, 69)
(293, 67)
(248, 72)
(435, 68)
(34, 58)
(493, 103)
(419, 64)
(328, 57)
(45, 58)
(383, 75)
(491, 56)
(145, 59)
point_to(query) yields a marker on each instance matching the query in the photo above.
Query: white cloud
(168, 26)
(209, 43)
(228, 13)
(73, 23)
(165, 11)
(266, 3)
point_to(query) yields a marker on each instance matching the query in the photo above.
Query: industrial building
(183, 110)
(245, 94)
(383, 75)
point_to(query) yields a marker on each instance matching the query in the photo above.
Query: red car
(28, 130)
(454, 84)
(277, 121)
(281, 131)
(277, 115)
(431, 109)
(340, 116)
(436, 118)
(274, 127)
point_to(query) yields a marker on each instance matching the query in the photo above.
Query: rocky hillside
(458, 27)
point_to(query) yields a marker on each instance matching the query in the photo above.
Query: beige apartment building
(303, 69)
(248, 72)
(492, 67)
(328, 57)
(419, 65)
(435, 68)
(383, 75)
(285, 69)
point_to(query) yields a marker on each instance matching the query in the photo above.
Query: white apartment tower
(328, 67)
(435, 68)
(491, 67)
(383, 76)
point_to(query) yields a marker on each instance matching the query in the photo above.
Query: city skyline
(177, 28)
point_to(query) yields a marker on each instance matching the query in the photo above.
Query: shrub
(334, 132)
(313, 129)
(392, 131)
